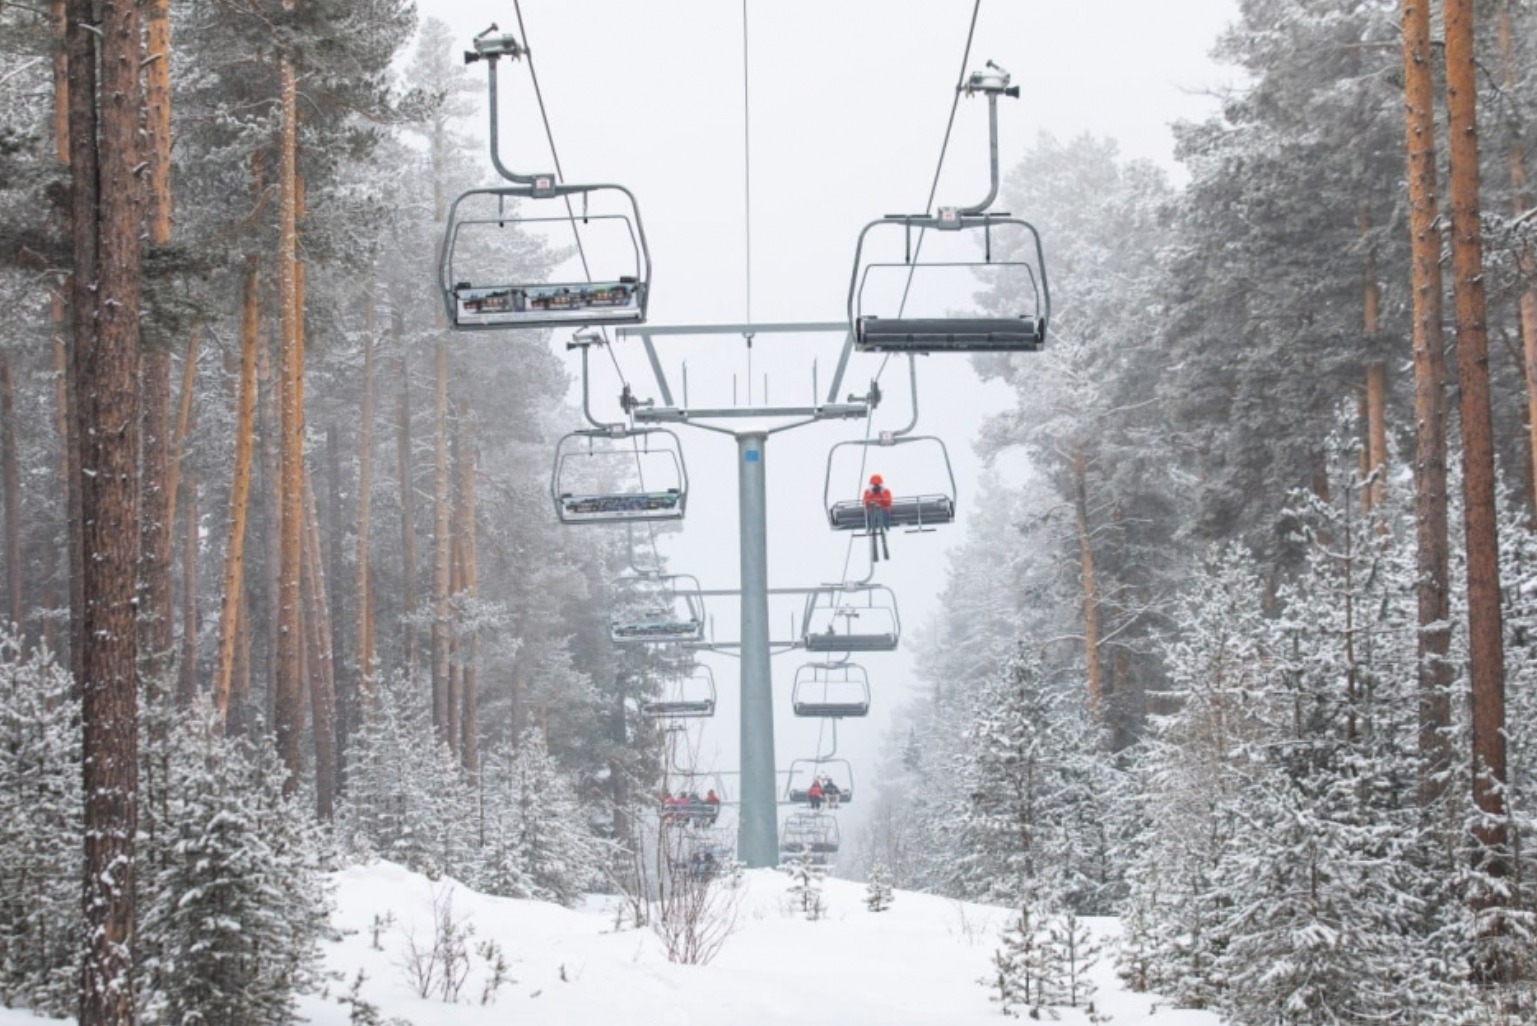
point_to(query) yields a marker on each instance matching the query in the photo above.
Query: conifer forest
(1242, 653)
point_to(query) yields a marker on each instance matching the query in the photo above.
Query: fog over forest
(769, 437)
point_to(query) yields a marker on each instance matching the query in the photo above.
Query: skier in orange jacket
(878, 516)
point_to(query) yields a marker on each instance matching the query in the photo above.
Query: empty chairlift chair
(1020, 259)
(810, 835)
(831, 690)
(618, 475)
(837, 771)
(915, 510)
(490, 233)
(891, 255)
(857, 618)
(683, 697)
(657, 609)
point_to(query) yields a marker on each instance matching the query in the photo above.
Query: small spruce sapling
(878, 893)
(806, 885)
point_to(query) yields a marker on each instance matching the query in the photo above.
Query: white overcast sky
(848, 102)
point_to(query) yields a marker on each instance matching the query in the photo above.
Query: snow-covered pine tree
(406, 797)
(1077, 954)
(229, 926)
(878, 892)
(1026, 967)
(1320, 933)
(1029, 773)
(40, 805)
(538, 843)
(1190, 773)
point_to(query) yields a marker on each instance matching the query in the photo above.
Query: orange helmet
(876, 479)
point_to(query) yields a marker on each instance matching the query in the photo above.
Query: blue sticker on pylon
(752, 456)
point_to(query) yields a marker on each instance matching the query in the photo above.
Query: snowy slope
(917, 963)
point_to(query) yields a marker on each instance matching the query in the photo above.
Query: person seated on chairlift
(712, 800)
(877, 500)
(814, 795)
(831, 791)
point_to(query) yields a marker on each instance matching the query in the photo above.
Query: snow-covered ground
(919, 962)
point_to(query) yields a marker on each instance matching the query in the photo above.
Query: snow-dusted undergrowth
(919, 962)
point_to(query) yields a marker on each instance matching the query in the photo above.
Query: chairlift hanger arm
(995, 83)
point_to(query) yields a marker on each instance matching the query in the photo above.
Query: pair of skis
(877, 531)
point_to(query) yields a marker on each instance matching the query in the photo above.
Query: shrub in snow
(878, 893)
(437, 964)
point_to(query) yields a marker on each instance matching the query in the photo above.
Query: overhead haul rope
(576, 232)
(944, 148)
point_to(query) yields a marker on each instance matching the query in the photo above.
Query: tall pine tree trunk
(404, 463)
(183, 427)
(106, 216)
(11, 481)
(470, 747)
(365, 597)
(157, 102)
(1091, 655)
(238, 720)
(232, 594)
(186, 684)
(1435, 709)
(322, 678)
(1376, 456)
(158, 520)
(1521, 196)
(442, 551)
(267, 414)
(331, 540)
(1486, 648)
(288, 714)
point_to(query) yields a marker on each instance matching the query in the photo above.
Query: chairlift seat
(823, 642)
(950, 334)
(657, 629)
(798, 796)
(578, 302)
(680, 709)
(622, 506)
(832, 710)
(906, 511)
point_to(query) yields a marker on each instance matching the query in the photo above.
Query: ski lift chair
(862, 618)
(831, 690)
(684, 697)
(810, 834)
(673, 610)
(479, 259)
(1022, 259)
(587, 462)
(804, 771)
(920, 511)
